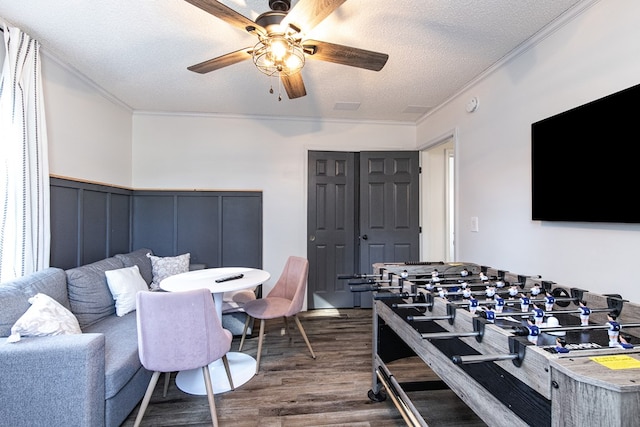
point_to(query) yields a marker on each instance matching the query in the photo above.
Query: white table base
(241, 365)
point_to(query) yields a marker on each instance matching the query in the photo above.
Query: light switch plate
(474, 224)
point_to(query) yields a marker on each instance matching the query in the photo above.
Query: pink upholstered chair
(284, 300)
(180, 331)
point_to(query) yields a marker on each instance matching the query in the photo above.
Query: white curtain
(24, 167)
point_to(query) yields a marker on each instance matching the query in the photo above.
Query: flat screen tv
(585, 162)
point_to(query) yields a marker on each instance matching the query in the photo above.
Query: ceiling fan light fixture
(278, 55)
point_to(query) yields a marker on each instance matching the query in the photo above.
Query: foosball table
(518, 350)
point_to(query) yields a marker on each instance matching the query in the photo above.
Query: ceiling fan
(281, 49)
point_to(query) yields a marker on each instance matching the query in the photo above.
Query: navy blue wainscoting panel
(120, 229)
(94, 227)
(89, 222)
(154, 222)
(218, 228)
(198, 225)
(64, 227)
(242, 231)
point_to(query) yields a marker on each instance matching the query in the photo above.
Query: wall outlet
(474, 224)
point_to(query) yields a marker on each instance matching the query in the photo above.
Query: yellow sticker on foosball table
(617, 362)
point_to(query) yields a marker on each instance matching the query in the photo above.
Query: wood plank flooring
(292, 389)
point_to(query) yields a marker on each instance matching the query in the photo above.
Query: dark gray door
(331, 214)
(362, 208)
(389, 209)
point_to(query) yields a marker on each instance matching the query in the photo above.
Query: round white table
(241, 365)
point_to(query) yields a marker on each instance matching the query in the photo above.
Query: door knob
(364, 237)
(312, 238)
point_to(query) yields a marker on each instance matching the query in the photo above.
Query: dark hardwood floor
(292, 389)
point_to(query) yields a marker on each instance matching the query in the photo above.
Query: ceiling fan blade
(345, 55)
(306, 14)
(222, 61)
(294, 85)
(227, 14)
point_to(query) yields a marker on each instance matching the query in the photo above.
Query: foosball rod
(461, 293)
(482, 358)
(412, 305)
(517, 351)
(366, 287)
(428, 318)
(523, 313)
(585, 327)
(448, 335)
(358, 276)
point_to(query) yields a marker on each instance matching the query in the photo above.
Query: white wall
(240, 153)
(594, 55)
(89, 134)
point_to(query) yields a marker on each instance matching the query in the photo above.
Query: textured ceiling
(139, 50)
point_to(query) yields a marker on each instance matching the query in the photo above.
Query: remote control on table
(230, 277)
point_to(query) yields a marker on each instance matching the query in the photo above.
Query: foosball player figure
(473, 304)
(499, 304)
(561, 345)
(487, 313)
(490, 291)
(524, 303)
(483, 277)
(404, 274)
(534, 331)
(442, 293)
(466, 293)
(464, 272)
(538, 315)
(625, 341)
(490, 315)
(513, 291)
(549, 301)
(535, 290)
(435, 275)
(584, 313)
(614, 330)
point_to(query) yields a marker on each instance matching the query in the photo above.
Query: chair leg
(147, 397)
(225, 361)
(244, 332)
(167, 377)
(209, 387)
(286, 328)
(304, 335)
(260, 345)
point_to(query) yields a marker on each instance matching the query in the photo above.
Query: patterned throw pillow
(124, 284)
(163, 267)
(45, 317)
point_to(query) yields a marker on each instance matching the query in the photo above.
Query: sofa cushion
(139, 258)
(120, 352)
(164, 267)
(89, 295)
(124, 284)
(15, 294)
(45, 317)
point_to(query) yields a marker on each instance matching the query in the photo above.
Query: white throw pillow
(124, 284)
(163, 267)
(45, 317)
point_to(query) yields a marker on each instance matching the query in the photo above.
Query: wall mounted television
(585, 162)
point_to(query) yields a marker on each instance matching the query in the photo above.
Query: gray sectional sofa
(85, 380)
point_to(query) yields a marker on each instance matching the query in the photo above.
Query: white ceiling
(139, 50)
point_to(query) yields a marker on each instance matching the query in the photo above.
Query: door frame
(357, 153)
(451, 218)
